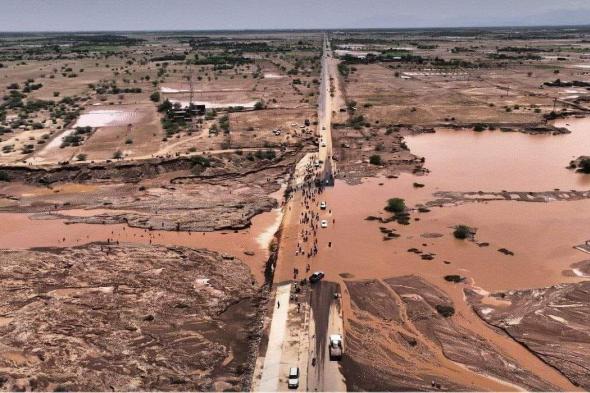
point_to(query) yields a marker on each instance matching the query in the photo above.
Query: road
(310, 315)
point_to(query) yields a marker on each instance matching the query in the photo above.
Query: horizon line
(312, 29)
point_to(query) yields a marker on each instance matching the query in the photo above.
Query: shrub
(155, 96)
(201, 161)
(445, 311)
(375, 159)
(396, 205)
(462, 232)
(4, 176)
(584, 165)
(479, 127)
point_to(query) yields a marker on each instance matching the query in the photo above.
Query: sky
(92, 15)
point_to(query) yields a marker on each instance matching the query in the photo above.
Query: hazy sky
(64, 15)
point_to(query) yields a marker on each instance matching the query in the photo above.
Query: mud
(414, 315)
(129, 317)
(223, 196)
(550, 322)
(450, 198)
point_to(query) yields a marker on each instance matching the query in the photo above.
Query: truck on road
(335, 347)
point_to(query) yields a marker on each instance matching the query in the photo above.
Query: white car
(293, 382)
(323, 144)
(323, 205)
(324, 224)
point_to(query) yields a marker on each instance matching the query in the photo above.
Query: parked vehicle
(324, 224)
(335, 347)
(293, 382)
(316, 277)
(323, 205)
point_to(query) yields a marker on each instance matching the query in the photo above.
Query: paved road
(271, 370)
(323, 374)
(299, 332)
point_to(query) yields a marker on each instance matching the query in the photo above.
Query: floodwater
(22, 232)
(217, 105)
(494, 160)
(108, 118)
(271, 75)
(541, 235)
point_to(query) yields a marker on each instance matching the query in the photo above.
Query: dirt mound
(129, 317)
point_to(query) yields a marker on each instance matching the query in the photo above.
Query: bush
(155, 96)
(445, 311)
(375, 159)
(4, 176)
(201, 161)
(396, 205)
(462, 232)
(584, 165)
(479, 127)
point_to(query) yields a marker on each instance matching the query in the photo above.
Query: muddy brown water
(541, 235)
(464, 160)
(21, 231)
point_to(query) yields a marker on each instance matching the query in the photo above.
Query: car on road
(323, 144)
(323, 205)
(335, 347)
(293, 382)
(316, 276)
(316, 164)
(324, 224)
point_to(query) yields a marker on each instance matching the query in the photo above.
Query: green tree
(396, 205)
(375, 159)
(155, 96)
(462, 232)
(585, 165)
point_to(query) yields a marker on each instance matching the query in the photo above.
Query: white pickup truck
(335, 347)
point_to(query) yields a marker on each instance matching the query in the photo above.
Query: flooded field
(108, 118)
(518, 245)
(495, 161)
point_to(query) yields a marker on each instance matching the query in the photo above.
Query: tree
(462, 232)
(445, 311)
(155, 97)
(81, 157)
(584, 165)
(396, 205)
(375, 159)
(259, 105)
(165, 106)
(118, 155)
